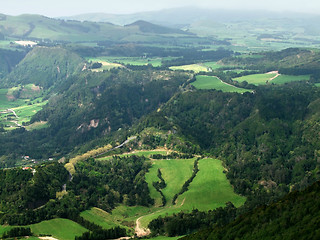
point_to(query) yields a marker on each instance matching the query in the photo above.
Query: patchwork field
(211, 82)
(16, 112)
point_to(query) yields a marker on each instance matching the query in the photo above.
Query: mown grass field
(192, 67)
(210, 188)
(256, 79)
(100, 217)
(282, 79)
(62, 229)
(211, 82)
(175, 172)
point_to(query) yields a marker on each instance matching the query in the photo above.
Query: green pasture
(282, 79)
(191, 67)
(256, 79)
(5, 102)
(216, 65)
(62, 229)
(100, 217)
(211, 82)
(317, 84)
(175, 172)
(138, 61)
(210, 188)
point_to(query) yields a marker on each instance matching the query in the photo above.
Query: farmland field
(192, 67)
(138, 61)
(5, 103)
(281, 79)
(99, 217)
(256, 79)
(211, 82)
(62, 229)
(174, 172)
(210, 188)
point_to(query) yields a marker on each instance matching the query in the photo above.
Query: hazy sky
(55, 8)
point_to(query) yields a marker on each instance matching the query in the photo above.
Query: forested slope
(268, 139)
(296, 216)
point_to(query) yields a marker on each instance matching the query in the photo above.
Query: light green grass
(99, 217)
(317, 84)
(256, 79)
(5, 103)
(138, 61)
(216, 65)
(62, 229)
(211, 82)
(4, 228)
(281, 79)
(210, 188)
(191, 67)
(175, 172)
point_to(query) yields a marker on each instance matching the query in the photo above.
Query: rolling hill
(46, 29)
(45, 67)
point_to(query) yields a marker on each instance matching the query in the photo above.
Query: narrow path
(278, 74)
(139, 231)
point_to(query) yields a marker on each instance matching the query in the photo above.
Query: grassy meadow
(191, 67)
(209, 189)
(101, 218)
(282, 79)
(62, 229)
(138, 61)
(257, 79)
(211, 82)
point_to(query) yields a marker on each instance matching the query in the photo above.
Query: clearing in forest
(211, 82)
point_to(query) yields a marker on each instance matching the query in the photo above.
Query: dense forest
(268, 140)
(296, 216)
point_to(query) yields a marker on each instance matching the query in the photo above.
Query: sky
(57, 8)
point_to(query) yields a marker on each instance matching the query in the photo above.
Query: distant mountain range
(186, 16)
(39, 27)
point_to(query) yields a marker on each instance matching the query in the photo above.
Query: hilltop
(46, 29)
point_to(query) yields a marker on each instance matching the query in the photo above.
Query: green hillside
(48, 29)
(296, 216)
(44, 66)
